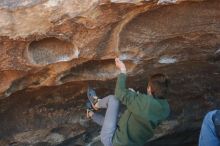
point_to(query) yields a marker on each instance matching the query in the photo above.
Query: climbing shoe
(89, 105)
(92, 98)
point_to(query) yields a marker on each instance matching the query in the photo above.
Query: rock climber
(143, 114)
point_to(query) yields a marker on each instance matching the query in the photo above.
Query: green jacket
(142, 116)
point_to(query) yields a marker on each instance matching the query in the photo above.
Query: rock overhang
(181, 40)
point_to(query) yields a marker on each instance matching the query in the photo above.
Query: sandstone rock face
(52, 50)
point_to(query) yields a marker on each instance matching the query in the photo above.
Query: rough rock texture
(51, 50)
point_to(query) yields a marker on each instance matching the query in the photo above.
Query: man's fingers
(116, 59)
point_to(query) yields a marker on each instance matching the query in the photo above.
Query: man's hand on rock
(119, 64)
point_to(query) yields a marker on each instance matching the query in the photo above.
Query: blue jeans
(208, 135)
(109, 122)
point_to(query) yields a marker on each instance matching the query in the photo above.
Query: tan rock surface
(51, 50)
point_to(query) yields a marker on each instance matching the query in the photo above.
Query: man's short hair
(159, 85)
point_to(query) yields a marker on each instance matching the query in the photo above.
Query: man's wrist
(123, 71)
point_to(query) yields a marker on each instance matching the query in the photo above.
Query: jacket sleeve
(132, 100)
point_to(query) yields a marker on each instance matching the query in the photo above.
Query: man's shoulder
(146, 96)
